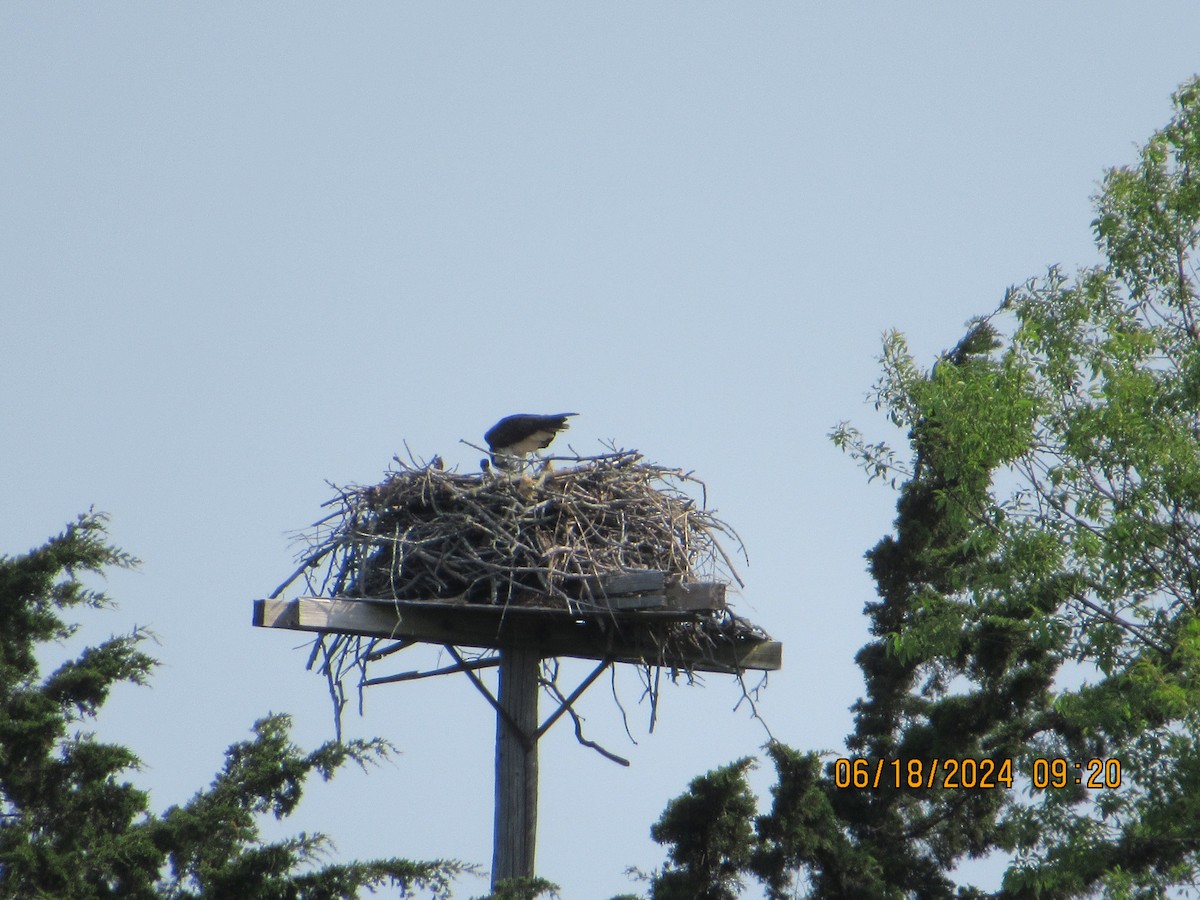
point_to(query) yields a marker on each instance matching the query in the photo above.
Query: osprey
(520, 435)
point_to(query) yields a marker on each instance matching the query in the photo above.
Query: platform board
(639, 637)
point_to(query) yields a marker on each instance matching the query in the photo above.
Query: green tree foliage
(71, 827)
(523, 888)
(1038, 598)
(709, 831)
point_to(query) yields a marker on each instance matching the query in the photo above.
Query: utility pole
(516, 766)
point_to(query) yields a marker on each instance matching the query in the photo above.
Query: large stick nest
(540, 538)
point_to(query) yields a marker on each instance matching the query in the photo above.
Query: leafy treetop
(1038, 597)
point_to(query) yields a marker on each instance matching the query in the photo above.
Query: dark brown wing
(524, 433)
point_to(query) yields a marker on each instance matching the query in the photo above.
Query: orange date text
(970, 773)
(967, 773)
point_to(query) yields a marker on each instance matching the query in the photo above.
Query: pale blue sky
(245, 248)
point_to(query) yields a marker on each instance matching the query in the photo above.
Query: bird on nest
(515, 439)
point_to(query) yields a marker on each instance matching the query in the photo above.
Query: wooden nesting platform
(673, 627)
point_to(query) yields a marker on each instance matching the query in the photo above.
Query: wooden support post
(516, 766)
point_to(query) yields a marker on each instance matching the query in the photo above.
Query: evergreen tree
(72, 827)
(1037, 622)
(709, 831)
